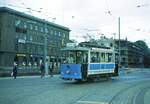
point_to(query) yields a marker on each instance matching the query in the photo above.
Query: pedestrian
(42, 70)
(51, 68)
(14, 72)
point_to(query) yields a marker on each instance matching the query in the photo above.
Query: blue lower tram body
(85, 71)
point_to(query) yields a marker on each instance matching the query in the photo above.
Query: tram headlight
(68, 71)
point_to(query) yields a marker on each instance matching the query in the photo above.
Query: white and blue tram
(83, 63)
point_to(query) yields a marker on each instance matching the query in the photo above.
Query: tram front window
(81, 57)
(70, 58)
(77, 57)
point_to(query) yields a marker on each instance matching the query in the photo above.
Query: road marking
(91, 102)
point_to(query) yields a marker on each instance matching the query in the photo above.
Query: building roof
(130, 44)
(21, 14)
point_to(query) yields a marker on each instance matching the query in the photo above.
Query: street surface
(130, 88)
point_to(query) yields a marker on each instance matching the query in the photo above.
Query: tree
(146, 52)
(142, 44)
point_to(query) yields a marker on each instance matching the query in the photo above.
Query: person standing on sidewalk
(51, 68)
(15, 68)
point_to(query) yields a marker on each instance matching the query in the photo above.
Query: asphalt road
(131, 88)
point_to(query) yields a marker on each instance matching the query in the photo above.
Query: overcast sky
(93, 17)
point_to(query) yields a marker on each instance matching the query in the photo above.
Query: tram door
(82, 58)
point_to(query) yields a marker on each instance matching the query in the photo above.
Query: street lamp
(45, 48)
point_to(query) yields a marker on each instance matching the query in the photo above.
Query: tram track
(139, 97)
(117, 96)
(127, 95)
(133, 94)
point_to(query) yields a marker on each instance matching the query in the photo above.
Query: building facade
(131, 55)
(22, 39)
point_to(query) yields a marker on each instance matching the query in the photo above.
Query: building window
(55, 32)
(21, 30)
(46, 30)
(41, 39)
(31, 26)
(31, 38)
(59, 34)
(36, 28)
(25, 25)
(34, 49)
(28, 48)
(51, 32)
(17, 22)
(25, 38)
(64, 35)
(24, 47)
(41, 50)
(42, 29)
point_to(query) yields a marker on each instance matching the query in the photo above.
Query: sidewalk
(36, 76)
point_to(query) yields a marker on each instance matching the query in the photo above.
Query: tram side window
(98, 57)
(95, 57)
(84, 57)
(106, 57)
(78, 57)
(102, 57)
(110, 57)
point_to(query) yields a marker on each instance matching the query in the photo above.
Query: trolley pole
(119, 41)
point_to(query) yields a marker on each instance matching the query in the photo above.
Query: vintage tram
(84, 63)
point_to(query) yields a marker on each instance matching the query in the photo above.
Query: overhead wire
(142, 3)
(107, 8)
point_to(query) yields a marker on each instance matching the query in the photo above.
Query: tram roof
(102, 50)
(75, 49)
(86, 49)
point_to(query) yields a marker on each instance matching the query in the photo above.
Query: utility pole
(114, 53)
(119, 41)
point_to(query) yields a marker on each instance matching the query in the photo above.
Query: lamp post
(45, 48)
